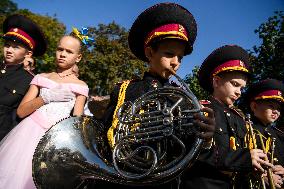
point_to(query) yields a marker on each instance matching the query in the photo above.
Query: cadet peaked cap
(224, 59)
(268, 89)
(161, 21)
(23, 30)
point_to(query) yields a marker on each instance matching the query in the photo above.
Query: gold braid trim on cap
(120, 101)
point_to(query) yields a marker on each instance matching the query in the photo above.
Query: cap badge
(180, 28)
(15, 30)
(154, 83)
(241, 63)
(279, 93)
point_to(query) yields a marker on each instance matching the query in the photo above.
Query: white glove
(57, 94)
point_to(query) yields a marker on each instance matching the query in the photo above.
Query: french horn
(155, 141)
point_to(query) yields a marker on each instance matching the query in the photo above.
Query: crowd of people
(231, 156)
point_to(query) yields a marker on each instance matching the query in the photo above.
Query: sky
(219, 22)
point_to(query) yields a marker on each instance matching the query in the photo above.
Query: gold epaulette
(120, 101)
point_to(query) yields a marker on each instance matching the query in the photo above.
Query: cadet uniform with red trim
(215, 167)
(14, 79)
(159, 22)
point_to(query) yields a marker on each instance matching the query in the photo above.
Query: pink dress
(17, 148)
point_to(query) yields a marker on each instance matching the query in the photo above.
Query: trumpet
(253, 145)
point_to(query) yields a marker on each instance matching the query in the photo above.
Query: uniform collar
(218, 102)
(11, 67)
(255, 120)
(160, 81)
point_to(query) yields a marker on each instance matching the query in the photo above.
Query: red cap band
(232, 65)
(23, 36)
(169, 31)
(270, 94)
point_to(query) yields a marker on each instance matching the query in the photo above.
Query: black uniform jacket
(215, 167)
(279, 138)
(14, 83)
(135, 89)
(243, 181)
(269, 131)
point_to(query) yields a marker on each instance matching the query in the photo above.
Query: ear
(29, 54)
(253, 106)
(216, 81)
(148, 53)
(78, 59)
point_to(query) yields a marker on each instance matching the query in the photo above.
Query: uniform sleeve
(238, 160)
(221, 155)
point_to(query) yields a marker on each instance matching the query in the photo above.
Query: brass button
(14, 91)
(220, 129)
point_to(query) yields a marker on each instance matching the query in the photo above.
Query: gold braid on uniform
(233, 141)
(120, 101)
(250, 143)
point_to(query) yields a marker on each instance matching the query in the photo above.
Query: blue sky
(219, 22)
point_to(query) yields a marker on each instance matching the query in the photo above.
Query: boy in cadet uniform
(265, 99)
(224, 74)
(22, 40)
(161, 35)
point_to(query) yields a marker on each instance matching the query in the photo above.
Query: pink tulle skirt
(16, 153)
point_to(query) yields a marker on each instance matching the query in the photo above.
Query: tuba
(155, 141)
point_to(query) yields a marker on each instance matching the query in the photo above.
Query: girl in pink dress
(50, 98)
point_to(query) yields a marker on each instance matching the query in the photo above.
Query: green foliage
(267, 60)
(7, 7)
(192, 81)
(105, 63)
(110, 60)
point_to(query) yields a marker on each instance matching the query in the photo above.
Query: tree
(7, 7)
(110, 60)
(192, 81)
(267, 60)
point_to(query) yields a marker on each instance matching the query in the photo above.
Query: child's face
(228, 87)
(68, 52)
(14, 53)
(168, 54)
(267, 111)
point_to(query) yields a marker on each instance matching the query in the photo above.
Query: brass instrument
(155, 141)
(252, 137)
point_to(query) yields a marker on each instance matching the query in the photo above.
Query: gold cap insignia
(180, 28)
